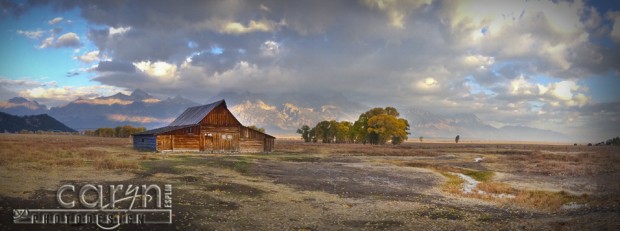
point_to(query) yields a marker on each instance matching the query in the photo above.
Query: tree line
(612, 141)
(376, 126)
(120, 131)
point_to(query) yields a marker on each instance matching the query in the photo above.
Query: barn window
(223, 137)
(229, 137)
(190, 130)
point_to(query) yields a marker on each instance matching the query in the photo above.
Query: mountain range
(43, 122)
(279, 114)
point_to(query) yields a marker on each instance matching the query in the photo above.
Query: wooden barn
(206, 128)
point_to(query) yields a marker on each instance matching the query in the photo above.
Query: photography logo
(107, 207)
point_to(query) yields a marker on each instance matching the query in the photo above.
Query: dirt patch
(160, 166)
(235, 189)
(377, 225)
(354, 182)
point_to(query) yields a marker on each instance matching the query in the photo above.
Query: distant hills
(279, 114)
(137, 109)
(469, 126)
(44, 122)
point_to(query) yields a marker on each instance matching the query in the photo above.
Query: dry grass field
(308, 186)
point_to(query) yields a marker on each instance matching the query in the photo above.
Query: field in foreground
(305, 186)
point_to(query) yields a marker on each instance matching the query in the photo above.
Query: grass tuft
(116, 164)
(481, 176)
(241, 166)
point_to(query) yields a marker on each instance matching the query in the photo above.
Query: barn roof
(161, 130)
(193, 115)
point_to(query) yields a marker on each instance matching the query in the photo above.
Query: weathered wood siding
(269, 144)
(220, 117)
(145, 143)
(185, 139)
(254, 141)
(219, 131)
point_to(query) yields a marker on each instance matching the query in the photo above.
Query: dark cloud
(115, 66)
(72, 74)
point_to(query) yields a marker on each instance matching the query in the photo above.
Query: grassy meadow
(313, 186)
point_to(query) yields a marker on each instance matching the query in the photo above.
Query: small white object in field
(470, 183)
(478, 159)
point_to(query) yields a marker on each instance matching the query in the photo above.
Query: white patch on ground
(573, 205)
(470, 183)
(469, 186)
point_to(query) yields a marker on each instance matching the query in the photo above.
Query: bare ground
(332, 187)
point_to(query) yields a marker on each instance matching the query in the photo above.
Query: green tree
(326, 131)
(360, 130)
(257, 128)
(457, 139)
(312, 135)
(305, 133)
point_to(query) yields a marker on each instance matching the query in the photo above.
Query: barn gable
(210, 128)
(194, 115)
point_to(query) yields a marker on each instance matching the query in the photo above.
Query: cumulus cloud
(427, 83)
(35, 34)
(396, 10)
(478, 61)
(270, 48)
(252, 26)
(113, 31)
(89, 57)
(47, 42)
(68, 40)
(159, 69)
(55, 20)
(615, 31)
(52, 94)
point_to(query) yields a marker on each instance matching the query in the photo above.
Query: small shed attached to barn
(206, 128)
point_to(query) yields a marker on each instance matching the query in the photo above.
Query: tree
(398, 138)
(360, 130)
(326, 131)
(343, 129)
(312, 135)
(105, 132)
(421, 139)
(253, 127)
(305, 133)
(457, 139)
(120, 131)
(386, 127)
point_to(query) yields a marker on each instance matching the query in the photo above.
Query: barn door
(166, 142)
(226, 142)
(208, 142)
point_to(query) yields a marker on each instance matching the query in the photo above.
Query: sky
(545, 64)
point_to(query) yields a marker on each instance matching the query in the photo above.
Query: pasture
(313, 186)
